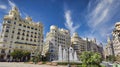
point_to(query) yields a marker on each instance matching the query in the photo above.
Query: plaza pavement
(15, 64)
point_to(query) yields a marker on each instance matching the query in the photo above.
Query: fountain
(71, 54)
(75, 56)
(60, 54)
(63, 55)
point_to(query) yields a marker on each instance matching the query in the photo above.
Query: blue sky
(90, 18)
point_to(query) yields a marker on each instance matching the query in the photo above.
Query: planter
(30, 62)
(39, 63)
(54, 64)
(48, 63)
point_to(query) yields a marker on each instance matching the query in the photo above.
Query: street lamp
(68, 58)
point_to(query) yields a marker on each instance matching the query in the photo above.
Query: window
(15, 18)
(12, 31)
(35, 28)
(34, 40)
(28, 27)
(18, 37)
(6, 36)
(27, 35)
(12, 36)
(35, 33)
(27, 39)
(9, 46)
(7, 27)
(18, 33)
(8, 22)
(23, 30)
(3, 45)
(51, 51)
(23, 34)
(9, 51)
(30, 39)
(22, 38)
(14, 22)
(20, 24)
(7, 30)
(31, 27)
(20, 46)
(2, 51)
(24, 26)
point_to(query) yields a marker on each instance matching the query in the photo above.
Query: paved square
(14, 64)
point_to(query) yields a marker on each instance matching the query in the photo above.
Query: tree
(17, 54)
(117, 58)
(20, 55)
(26, 55)
(90, 58)
(110, 58)
(96, 58)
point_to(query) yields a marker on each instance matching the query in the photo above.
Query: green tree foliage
(20, 54)
(110, 58)
(117, 58)
(90, 58)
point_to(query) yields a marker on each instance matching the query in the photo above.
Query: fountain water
(75, 56)
(60, 53)
(71, 53)
(64, 55)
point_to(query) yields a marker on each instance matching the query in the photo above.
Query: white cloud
(99, 18)
(0, 27)
(69, 23)
(3, 7)
(12, 4)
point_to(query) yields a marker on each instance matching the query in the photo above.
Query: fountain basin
(66, 62)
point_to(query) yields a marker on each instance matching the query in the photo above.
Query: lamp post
(68, 58)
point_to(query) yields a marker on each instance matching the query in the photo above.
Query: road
(107, 64)
(14, 64)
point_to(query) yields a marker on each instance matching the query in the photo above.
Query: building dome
(75, 34)
(75, 37)
(28, 18)
(118, 23)
(53, 27)
(14, 8)
(62, 29)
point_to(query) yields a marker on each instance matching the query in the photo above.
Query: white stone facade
(116, 39)
(19, 33)
(57, 37)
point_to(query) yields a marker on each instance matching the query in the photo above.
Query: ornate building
(109, 48)
(54, 38)
(116, 39)
(80, 45)
(19, 33)
(113, 46)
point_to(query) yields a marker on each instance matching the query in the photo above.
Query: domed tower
(108, 40)
(28, 18)
(116, 31)
(75, 37)
(14, 11)
(53, 28)
(116, 39)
